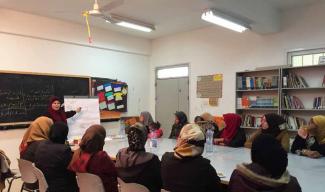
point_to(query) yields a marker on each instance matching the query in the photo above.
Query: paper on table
(109, 98)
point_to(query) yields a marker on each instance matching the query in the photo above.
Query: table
(309, 172)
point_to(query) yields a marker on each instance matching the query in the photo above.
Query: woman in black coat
(53, 157)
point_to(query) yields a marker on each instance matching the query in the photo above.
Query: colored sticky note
(117, 89)
(109, 98)
(120, 107)
(118, 96)
(111, 106)
(108, 94)
(101, 96)
(102, 105)
(217, 77)
(101, 87)
(108, 88)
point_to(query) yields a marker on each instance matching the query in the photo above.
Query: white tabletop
(309, 172)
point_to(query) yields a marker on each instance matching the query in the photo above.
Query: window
(305, 57)
(173, 72)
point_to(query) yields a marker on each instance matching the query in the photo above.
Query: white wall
(37, 44)
(216, 50)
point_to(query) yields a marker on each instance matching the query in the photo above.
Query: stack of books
(294, 122)
(294, 81)
(251, 121)
(249, 83)
(292, 102)
(257, 102)
(319, 103)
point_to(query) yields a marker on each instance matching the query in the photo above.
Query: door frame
(188, 77)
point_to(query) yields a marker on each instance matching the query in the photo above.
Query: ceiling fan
(98, 11)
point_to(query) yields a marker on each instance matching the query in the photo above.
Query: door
(171, 96)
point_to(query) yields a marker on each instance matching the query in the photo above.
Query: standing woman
(310, 141)
(180, 121)
(274, 125)
(57, 113)
(90, 158)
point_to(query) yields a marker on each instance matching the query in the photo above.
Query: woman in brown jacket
(274, 125)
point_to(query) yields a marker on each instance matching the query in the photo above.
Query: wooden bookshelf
(313, 77)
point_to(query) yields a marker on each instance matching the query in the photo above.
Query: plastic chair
(42, 184)
(89, 182)
(5, 168)
(26, 169)
(131, 187)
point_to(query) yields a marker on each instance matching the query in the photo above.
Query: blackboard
(24, 97)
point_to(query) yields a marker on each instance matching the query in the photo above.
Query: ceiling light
(130, 23)
(134, 26)
(223, 20)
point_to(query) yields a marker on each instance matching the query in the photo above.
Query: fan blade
(111, 5)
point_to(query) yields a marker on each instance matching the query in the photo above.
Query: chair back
(89, 182)
(26, 169)
(42, 184)
(131, 187)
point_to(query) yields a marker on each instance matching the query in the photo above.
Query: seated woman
(267, 172)
(57, 113)
(146, 119)
(232, 135)
(217, 122)
(274, 125)
(37, 131)
(90, 158)
(185, 169)
(198, 119)
(135, 165)
(180, 121)
(5, 171)
(310, 140)
(155, 130)
(53, 157)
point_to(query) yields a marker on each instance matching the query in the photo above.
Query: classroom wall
(33, 43)
(214, 50)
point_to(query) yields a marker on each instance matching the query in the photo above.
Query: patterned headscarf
(137, 137)
(147, 118)
(190, 142)
(319, 120)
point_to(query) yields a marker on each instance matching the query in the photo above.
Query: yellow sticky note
(217, 77)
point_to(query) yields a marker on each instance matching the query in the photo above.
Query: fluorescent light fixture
(223, 20)
(134, 26)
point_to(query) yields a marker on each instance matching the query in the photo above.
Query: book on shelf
(319, 103)
(251, 121)
(251, 83)
(293, 122)
(292, 102)
(323, 84)
(257, 102)
(294, 81)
